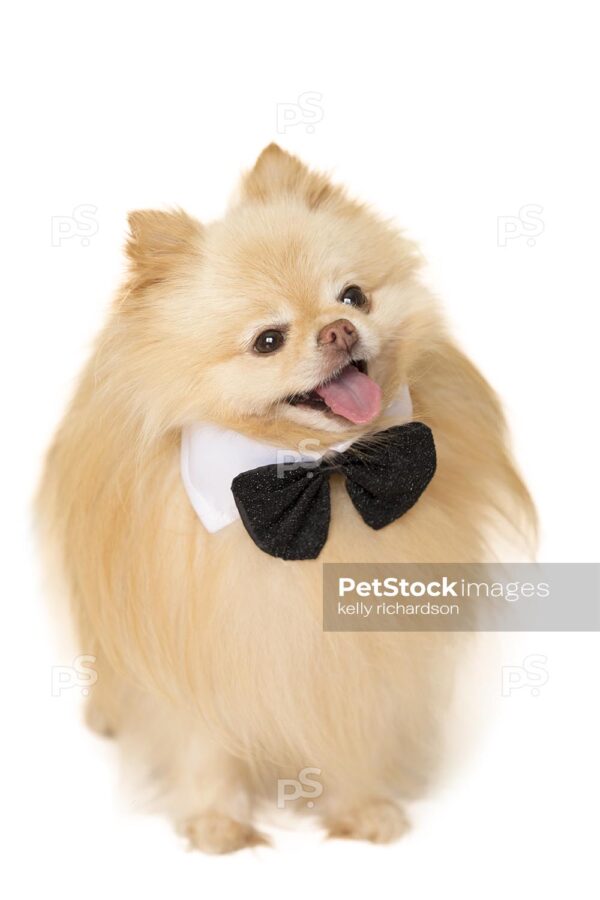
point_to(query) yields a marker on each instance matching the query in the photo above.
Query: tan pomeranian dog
(299, 317)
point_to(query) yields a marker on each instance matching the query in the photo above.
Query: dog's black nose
(340, 334)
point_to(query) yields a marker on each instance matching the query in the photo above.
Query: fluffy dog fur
(212, 664)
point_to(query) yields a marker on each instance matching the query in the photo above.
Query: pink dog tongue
(352, 395)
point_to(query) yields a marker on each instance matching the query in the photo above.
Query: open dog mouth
(348, 393)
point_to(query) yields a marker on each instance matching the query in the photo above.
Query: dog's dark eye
(269, 341)
(353, 296)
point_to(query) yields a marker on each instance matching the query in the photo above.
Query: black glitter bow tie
(286, 511)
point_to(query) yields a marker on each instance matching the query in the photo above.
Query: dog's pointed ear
(158, 242)
(277, 173)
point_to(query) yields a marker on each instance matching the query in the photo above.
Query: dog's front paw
(98, 721)
(213, 832)
(378, 821)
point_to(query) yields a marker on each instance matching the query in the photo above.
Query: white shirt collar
(212, 456)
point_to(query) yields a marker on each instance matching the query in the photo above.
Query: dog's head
(298, 312)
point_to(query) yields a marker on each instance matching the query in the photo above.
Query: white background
(444, 117)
